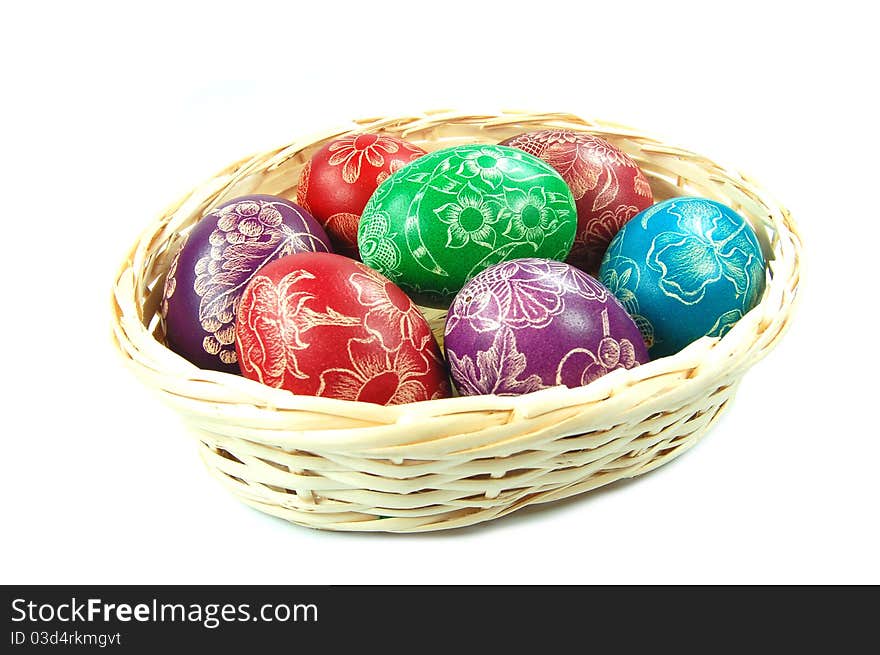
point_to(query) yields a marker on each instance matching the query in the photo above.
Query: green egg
(437, 222)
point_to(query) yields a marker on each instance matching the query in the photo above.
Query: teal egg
(438, 222)
(684, 268)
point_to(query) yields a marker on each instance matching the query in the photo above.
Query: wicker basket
(448, 463)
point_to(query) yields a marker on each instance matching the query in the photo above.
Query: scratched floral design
(707, 246)
(277, 319)
(508, 331)
(486, 164)
(376, 241)
(599, 231)
(515, 294)
(248, 235)
(453, 213)
(726, 321)
(351, 151)
(392, 318)
(469, 219)
(622, 277)
(532, 217)
(372, 366)
(497, 370)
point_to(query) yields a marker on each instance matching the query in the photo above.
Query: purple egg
(219, 258)
(530, 324)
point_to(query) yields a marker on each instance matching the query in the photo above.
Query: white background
(110, 112)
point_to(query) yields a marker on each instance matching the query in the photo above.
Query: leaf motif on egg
(385, 319)
(576, 168)
(438, 180)
(641, 185)
(602, 229)
(622, 279)
(495, 370)
(726, 321)
(609, 191)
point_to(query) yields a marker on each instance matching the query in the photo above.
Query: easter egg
(326, 325)
(453, 213)
(338, 180)
(529, 324)
(685, 268)
(608, 186)
(220, 256)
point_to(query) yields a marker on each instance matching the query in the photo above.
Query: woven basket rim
(703, 362)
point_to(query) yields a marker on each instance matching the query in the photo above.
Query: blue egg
(684, 268)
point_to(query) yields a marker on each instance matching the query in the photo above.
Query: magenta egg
(221, 254)
(530, 324)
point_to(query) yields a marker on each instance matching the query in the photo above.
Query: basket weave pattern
(448, 463)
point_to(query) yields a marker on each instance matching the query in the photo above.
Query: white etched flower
(531, 218)
(377, 375)
(350, 151)
(487, 163)
(469, 219)
(517, 294)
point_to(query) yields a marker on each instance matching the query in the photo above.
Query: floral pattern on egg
(685, 268)
(339, 178)
(457, 211)
(607, 185)
(220, 256)
(325, 325)
(530, 324)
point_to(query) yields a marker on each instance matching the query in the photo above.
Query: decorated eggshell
(326, 325)
(220, 256)
(685, 268)
(336, 183)
(453, 213)
(608, 186)
(529, 324)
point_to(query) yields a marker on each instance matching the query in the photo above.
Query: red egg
(607, 185)
(325, 325)
(336, 183)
